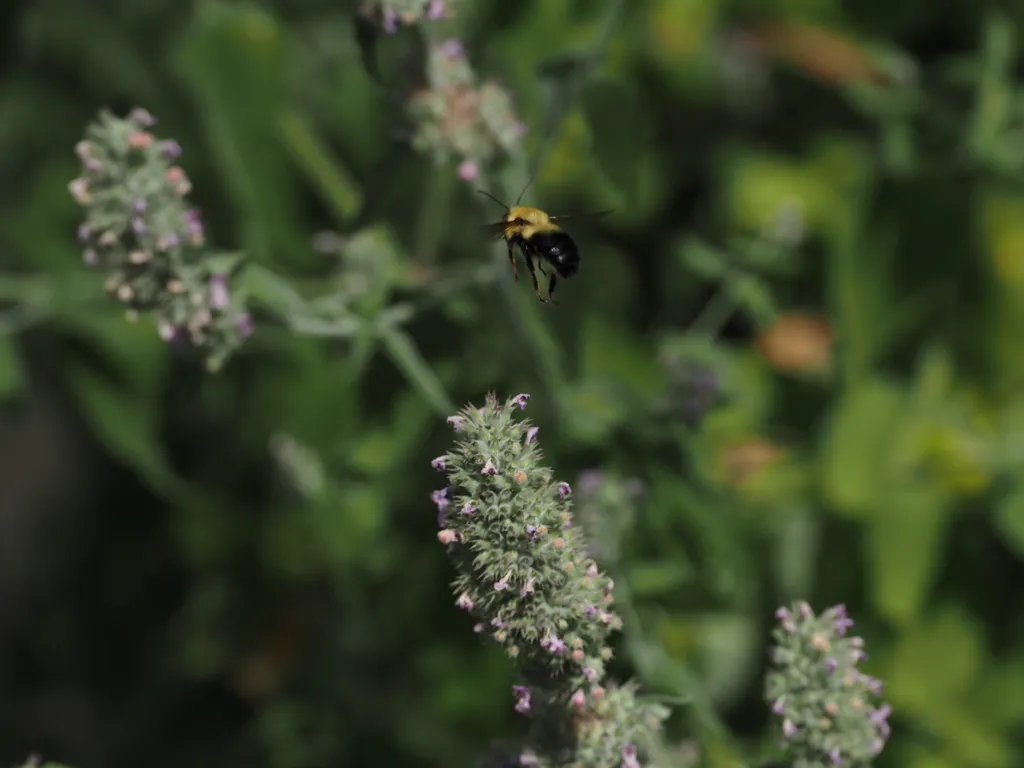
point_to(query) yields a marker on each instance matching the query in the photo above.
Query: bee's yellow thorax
(525, 221)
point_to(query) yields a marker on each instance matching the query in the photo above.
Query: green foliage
(799, 331)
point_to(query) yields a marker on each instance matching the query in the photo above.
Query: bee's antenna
(488, 194)
(528, 183)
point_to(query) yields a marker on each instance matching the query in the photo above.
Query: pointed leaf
(905, 543)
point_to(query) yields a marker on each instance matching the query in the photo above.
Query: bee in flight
(544, 244)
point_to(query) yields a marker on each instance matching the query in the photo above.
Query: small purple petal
(521, 400)
(244, 325)
(452, 48)
(438, 464)
(171, 149)
(531, 434)
(564, 490)
(219, 294)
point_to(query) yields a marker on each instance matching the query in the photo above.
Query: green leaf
(337, 186)
(857, 446)
(407, 358)
(702, 259)
(616, 114)
(125, 414)
(796, 552)
(11, 374)
(127, 424)
(729, 653)
(234, 58)
(656, 578)
(935, 661)
(997, 698)
(905, 541)
(272, 290)
(1009, 521)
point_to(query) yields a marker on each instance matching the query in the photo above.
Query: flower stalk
(525, 576)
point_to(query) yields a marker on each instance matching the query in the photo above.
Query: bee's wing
(495, 229)
(582, 216)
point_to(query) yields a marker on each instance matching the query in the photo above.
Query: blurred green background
(800, 332)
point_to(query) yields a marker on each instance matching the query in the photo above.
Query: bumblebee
(544, 244)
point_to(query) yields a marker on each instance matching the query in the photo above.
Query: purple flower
(390, 21)
(842, 621)
(531, 434)
(142, 118)
(456, 422)
(879, 718)
(873, 685)
(521, 400)
(469, 508)
(489, 469)
(138, 226)
(139, 206)
(590, 611)
(438, 464)
(219, 295)
(465, 602)
(554, 645)
(629, 759)
(167, 331)
(243, 323)
(788, 729)
(440, 498)
(452, 48)
(436, 10)
(171, 149)
(830, 665)
(835, 756)
(589, 674)
(522, 694)
(779, 707)
(782, 614)
(564, 490)
(194, 225)
(531, 532)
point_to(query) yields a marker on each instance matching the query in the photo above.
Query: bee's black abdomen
(558, 249)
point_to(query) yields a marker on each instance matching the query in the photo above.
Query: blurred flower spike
(525, 577)
(388, 14)
(828, 709)
(140, 230)
(457, 122)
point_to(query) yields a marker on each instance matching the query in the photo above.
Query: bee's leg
(512, 258)
(551, 289)
(533, 274)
